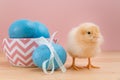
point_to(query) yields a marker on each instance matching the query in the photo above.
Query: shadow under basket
(19, 51)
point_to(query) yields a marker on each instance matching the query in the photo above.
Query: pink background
(62, 15)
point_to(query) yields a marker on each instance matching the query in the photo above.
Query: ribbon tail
(45, 68)
(52, 37)
(59, 62)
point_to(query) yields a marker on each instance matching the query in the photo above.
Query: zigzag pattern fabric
(19, 51)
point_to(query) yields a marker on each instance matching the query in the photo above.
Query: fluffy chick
(84, 42)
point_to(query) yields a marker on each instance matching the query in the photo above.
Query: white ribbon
(53, 56)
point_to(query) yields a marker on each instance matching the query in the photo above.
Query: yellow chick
(84, 42)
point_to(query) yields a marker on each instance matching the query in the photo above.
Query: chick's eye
(88, 32)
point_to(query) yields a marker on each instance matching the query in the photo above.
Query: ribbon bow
(53, 56)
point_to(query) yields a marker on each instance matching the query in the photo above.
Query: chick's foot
(89, 66)
(75, 67)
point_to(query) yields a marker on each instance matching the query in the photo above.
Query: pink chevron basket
(19, 51)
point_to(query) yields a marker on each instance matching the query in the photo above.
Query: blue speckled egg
(24, 28)
(42, 53)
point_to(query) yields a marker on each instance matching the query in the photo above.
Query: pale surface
(108, 61)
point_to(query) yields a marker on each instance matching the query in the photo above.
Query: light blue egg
(40, 30)
(42, 53)
(24, 28)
